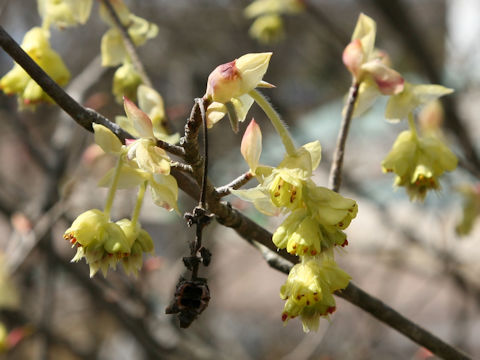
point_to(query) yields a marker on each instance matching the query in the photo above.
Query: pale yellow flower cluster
(417, 159)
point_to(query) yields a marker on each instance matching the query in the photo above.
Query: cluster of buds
(114, 52)
(102, 242)
(417, 159)
(268, 25)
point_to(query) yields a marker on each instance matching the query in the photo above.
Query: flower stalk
(275, 119)
(113, 187)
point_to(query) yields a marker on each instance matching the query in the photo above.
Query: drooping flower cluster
(417, 159)
(114, 52)
(268, 25)
(102, 242)
(36, 44)
(314, 226)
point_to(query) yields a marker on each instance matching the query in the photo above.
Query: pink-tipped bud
(251, 146)
(353, 57)
(237, 77)
(140, 120)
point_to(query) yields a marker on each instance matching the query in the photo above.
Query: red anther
(345, 243)
(299, 297)
(331, 310)
(308, 302)
(340, 224)
(313, 252)
(284, 317)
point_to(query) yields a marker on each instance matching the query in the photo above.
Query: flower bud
(125, 82)
(237, 77)
(251, 147)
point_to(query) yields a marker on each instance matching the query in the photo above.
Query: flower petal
(365, 31)
(106, 139)
(139, 119)
(389, 81)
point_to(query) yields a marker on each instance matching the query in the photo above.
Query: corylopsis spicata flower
(229, 84)
(36, 44)
(418, 162)
(101, 242)
(64, 13)
(369, 67)
(309, 288)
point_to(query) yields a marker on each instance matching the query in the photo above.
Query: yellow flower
(229, 84)
(144, 151)
(308, 290)
(368, 66)
(282, 187)
(263, 7)
(301, 234)
(112, 46)
(418, 162)
(64, 13)
(17, 81)
(150, 102)
(267, 29)
(413, 96)
(125, 82)
(330, 208)
(140, 242)
(101, 242)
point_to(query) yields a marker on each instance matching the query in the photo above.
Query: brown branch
(128, 42)
(335, 178)
(234, 185)
(225, 214)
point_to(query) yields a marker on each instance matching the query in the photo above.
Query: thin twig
(181, 166)
(128, 42)
(234, 185)
(203, 191)
(335, 178)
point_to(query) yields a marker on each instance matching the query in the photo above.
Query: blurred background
(406, 254)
